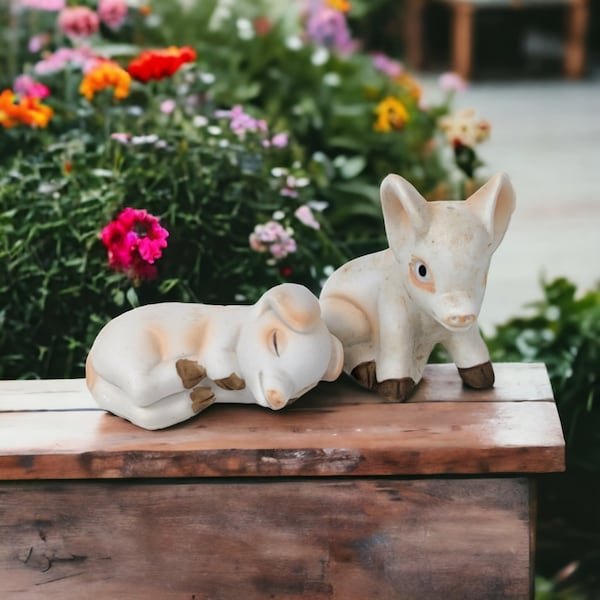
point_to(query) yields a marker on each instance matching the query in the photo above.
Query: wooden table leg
(575, 45)
(462, 38)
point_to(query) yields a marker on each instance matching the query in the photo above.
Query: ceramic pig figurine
(160, 364)
(389, 309)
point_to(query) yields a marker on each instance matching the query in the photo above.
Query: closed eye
(274, 342)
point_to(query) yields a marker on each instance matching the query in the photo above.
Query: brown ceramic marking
(202, 397)
(364, 373)
(190, 372)
(396, 390)
(275, 399)
(479, 377)
(233, 382)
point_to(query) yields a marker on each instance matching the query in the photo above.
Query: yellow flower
(391, 114)
(103, 75)
(341, 5)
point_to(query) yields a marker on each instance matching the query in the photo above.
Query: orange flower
(412, 87)
(341, 5)
(158, 64)
(391, 114)
(103, 75)
(28, 111)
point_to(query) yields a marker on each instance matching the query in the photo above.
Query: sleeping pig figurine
(389, 309)
(160, 364)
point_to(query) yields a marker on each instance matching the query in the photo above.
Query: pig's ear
(404, 210)
(494, 204)
(296, 306)
(336, 361)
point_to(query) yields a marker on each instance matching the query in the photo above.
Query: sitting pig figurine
(160, 364)
(390, 308)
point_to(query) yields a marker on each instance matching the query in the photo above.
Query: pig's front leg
(470, 354)
(397, 371)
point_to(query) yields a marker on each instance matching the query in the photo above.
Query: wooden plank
(515, 382)
(225, 440)
(343, 539)
(45, 394)
(441, 383)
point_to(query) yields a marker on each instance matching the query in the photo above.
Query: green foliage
(564, 333)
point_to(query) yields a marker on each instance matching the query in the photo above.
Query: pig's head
(444, 248)
(284, 348)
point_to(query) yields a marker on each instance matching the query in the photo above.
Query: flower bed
(134, 170)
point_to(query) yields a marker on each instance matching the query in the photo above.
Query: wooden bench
(462, 31)
(340, 496)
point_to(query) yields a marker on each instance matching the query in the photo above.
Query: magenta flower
(26, 86)
(273, 237)
(78, 21)
(134, 241)
(112, 12)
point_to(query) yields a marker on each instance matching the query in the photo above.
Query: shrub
(564, 333)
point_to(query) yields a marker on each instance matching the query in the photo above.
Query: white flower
(294, 42)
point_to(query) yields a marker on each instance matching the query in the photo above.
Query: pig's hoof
(365, 374)
(396, 390)
(479, 377)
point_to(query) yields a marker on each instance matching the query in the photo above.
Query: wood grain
(340, 539)
(49, 430)
(376, 439)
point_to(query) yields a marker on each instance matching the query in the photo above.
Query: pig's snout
(454, 320)
(457, 310)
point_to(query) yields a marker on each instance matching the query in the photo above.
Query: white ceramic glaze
(390, 308)
(160, 364)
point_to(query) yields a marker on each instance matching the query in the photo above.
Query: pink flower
(305, 215)
(112, 12)
(241, 122)
(167, 106)
(280, 140)
(134, 241)
(382, 62)
(26, 86)
(78, 21)
(57, 61)
(37, 42)
(452, 82)
(273, 237)
(48, 5)
(122, 138)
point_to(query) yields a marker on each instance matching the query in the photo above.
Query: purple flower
(328, 27)
(241, 122)
(280, 140)
(382, 62)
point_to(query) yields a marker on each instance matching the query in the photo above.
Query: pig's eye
(421, 275)
(421, 271)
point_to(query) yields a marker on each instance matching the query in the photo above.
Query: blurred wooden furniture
(462, 31)
(340, 496)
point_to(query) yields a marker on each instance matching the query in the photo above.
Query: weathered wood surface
(340, 539)
(313, 437)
